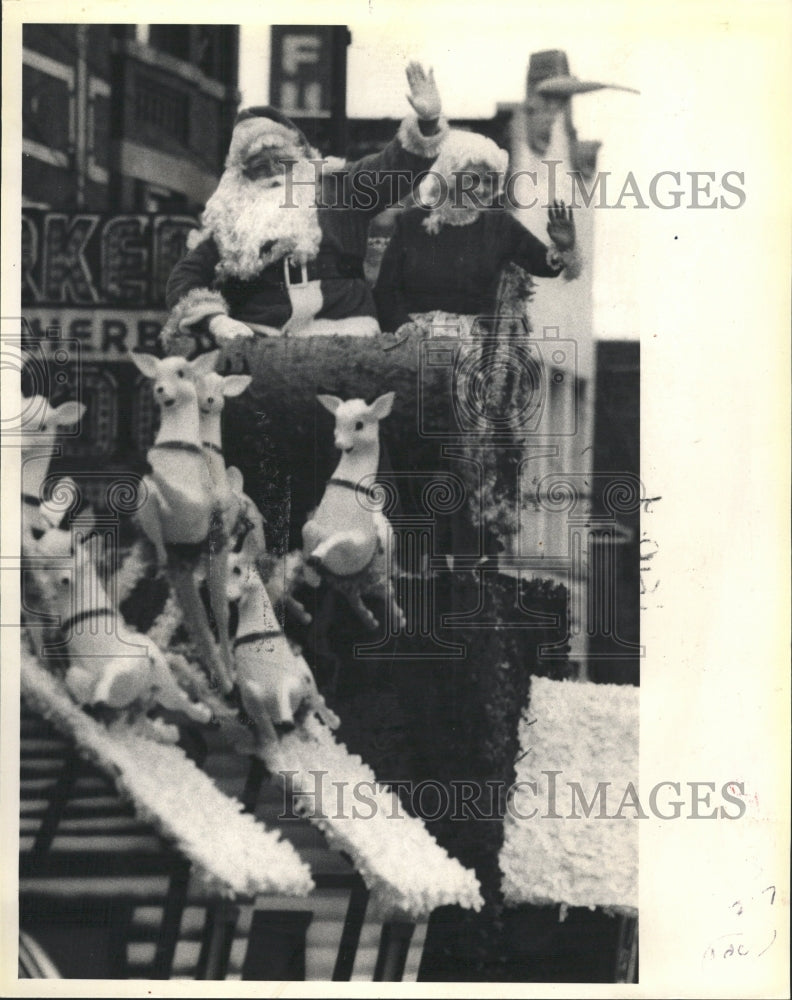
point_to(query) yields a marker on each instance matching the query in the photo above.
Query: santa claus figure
(282, 240)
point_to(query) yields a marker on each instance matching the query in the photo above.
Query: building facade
(126, 118)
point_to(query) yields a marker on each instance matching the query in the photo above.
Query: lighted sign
(308, 69)
(87, 259)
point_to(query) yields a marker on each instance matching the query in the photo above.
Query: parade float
(316, 688)
(397, 645)
(107, 687)
(376, 701)
(414, 669)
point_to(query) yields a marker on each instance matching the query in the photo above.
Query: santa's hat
(272, 120)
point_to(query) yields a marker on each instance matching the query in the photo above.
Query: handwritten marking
(716, 951)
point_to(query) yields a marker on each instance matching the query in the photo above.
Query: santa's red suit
(285, 253)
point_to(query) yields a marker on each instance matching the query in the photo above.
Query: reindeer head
(54, 573)
(357, 423)
(50, 513)
(41, 421)
(213, 388)
(174, 378)
(242, 574)
(72, 582)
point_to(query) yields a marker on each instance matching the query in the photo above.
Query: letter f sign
(299, 50)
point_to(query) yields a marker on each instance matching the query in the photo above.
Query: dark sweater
(455, 270)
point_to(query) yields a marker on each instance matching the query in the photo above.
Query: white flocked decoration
(231, 851)
(406, 870)
(589, 733)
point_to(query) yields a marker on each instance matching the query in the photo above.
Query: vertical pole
(627, 950)
(350, 935)
(394, 946)
(81, 111)
(58, 801)
(257, 772)
(341, 39)
(172, 912)
(222, 916)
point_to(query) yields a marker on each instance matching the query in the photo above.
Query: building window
(216, 51)
(162, 107)
(99, 130)
(47, 110)
(171, 38)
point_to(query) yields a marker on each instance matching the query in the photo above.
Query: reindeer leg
(183, 583)
(217, 578)
(396, 615)
(318, 705)
(360, 609)
(148, 517)
(255, 706)
(170, 695)
(298, 610)
(386, 591)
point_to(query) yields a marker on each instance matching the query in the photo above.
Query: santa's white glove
(224, 328)
(424, 96)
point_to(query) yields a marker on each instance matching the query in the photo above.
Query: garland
(166, 623)
(405, 869)
(232, 852)
(130, 573)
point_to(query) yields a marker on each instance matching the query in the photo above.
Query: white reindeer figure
(40, 425)
(108, 662)
(275, 683)
(347, 541)
(180, 513)
(282, 576)
(237, 508)
(241, 517)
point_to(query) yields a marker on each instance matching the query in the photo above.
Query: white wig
(459, 151)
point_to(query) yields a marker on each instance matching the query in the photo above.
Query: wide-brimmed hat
(548, 74)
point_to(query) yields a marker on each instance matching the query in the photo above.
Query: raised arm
(412, 151)
(536, 257)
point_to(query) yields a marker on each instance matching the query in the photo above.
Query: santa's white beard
(257, 222)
